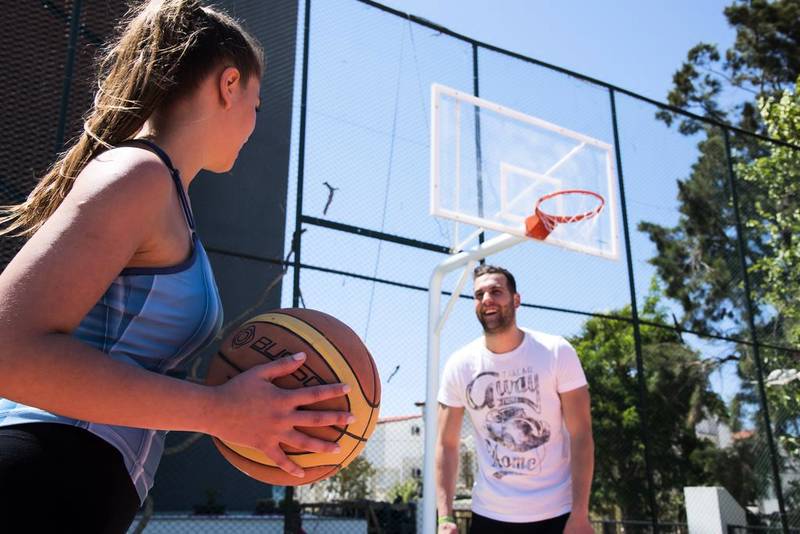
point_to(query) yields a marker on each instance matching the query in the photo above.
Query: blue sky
(634, 44)
(368, 135)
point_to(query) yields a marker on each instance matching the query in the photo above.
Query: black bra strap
(176, 177)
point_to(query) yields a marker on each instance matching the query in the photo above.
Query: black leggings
(483, 525)
(61, 478)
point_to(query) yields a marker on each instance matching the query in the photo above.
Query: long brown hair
(163, 50)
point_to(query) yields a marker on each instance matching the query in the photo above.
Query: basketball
(334, 354)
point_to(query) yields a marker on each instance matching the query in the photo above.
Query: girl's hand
(251, 411)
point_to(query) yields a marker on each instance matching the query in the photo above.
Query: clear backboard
(493, 168)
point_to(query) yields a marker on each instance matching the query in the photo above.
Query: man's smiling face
(495, 305)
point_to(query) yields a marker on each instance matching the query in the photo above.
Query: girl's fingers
(281, 460)
(302, 441)
(281, 367)
(314, 394)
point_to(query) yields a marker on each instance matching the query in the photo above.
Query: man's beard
(500, 321)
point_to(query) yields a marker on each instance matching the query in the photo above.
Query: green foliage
(764, 59)
(776, 213)
(353, 482)
(405, 492)
(698, 258)
(792, 496)
(678, 397)
(751, 85)
(735, 469)
(776, 217)
(765, 53)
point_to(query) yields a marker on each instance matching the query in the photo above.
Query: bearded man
(528, 400)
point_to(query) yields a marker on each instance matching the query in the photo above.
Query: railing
(759, 529)
(381, 517)
(604, 526)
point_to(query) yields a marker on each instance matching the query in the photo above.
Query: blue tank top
(156, 318)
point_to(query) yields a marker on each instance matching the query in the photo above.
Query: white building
(720, 434)
(395, 451)
(715, 431)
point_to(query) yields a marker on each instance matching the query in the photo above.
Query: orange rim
(552, 220)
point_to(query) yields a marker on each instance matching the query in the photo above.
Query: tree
(763, 61)
(777, 218)
(405, 492)
(698, 258)
(353, 482)
(735, 468)
(679, 396)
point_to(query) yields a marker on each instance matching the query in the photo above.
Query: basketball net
(564, 207)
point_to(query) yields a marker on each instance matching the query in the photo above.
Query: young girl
(113, 287)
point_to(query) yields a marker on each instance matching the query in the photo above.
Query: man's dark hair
(480, 270)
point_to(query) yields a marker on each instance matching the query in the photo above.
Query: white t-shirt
(522, 444)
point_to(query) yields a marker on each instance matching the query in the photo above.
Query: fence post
(301, 158)
(476, 90)
(637, 335)
(292, 519)
(750, 309)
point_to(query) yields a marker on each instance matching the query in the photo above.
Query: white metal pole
(435, 323)
(430, 409)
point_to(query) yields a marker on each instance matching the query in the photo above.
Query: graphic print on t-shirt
(511, 405)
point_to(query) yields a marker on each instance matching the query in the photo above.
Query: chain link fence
(690, 350)
(681, 397)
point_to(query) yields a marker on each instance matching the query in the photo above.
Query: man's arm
(447, 446)
(575, 406)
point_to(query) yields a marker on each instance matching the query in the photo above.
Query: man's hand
(577, 524)
(448, 528)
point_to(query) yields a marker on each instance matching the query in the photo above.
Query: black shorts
(483, 525)
(61, 478)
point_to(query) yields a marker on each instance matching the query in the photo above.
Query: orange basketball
(334, 354)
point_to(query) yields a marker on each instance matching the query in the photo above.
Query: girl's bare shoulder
(125, 173)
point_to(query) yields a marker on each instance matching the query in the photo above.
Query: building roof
(398, 418)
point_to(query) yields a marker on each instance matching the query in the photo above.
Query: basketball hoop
(540, 224)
